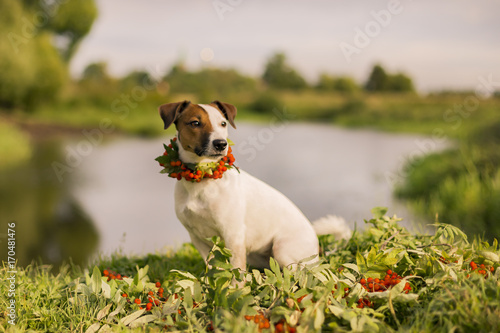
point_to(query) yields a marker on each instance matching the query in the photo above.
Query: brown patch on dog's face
(194, 128)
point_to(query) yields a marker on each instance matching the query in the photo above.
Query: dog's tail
(332, 225)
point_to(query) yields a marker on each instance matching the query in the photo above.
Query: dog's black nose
(220, 144)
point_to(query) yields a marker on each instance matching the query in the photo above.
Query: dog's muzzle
(219, 145)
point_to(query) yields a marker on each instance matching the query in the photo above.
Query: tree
(378, 80)
(208, 82)
(342, 84)
(33, 64)
(137, 78)
(96, 73)
(72, 22)
(96, 85)
(401, 83)
(278, 74)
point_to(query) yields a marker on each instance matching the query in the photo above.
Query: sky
(441, 45)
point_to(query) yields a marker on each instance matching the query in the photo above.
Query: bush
(265, 103)
(15, 146)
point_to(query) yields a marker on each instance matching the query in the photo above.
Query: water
(116, 199)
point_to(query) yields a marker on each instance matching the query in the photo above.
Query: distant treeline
(42, 37)
(277, 75)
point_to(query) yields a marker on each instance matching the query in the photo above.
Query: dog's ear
(229, 111)
(170, 111)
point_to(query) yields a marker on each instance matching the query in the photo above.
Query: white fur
(332, 224)
(255, 220)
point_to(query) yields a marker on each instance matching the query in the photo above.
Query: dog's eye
(223, 124)
(195, 123)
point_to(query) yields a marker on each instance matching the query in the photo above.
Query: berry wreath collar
(175, 168)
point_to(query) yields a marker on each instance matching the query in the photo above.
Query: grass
(443, 288)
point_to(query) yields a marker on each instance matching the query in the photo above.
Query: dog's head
(201, 128)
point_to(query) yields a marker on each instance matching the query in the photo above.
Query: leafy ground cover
(383, 279)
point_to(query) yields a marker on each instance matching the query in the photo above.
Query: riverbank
(383, 279)
(450, 115)
(461, 185)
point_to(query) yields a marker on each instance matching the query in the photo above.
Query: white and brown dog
(255, 220)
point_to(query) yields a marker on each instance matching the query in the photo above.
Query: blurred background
(342, 106)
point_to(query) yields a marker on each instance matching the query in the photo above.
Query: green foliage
(32, 71)
(341, 84)
(400, 83)
(462, 185)
(379, 81)
(135, 79)
(50, 74)
(279, 74)
(265, 103)
(446, 293)
(15, 146)
(208, 83)
(72, 21)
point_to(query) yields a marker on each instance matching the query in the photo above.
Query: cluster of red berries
(475, 268)
(481, 269)
(261, 320)
(112, 275)
(379, 285)
(362, 302)
(391, 279)
(281, 326)
(182, 170)
(153, 299)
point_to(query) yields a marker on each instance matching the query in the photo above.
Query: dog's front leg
(239, 258)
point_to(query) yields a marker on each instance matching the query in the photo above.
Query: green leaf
(379, 212)
(257, 276)
(319, 318)
(106, 289)
(104, 311)
(351, 266)
(130, 318)
(96, 280)
(142, 320)
(372, 256)
(185, 274)
(186, 284)
(361, 262)
(490, 255)
(93, 328)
